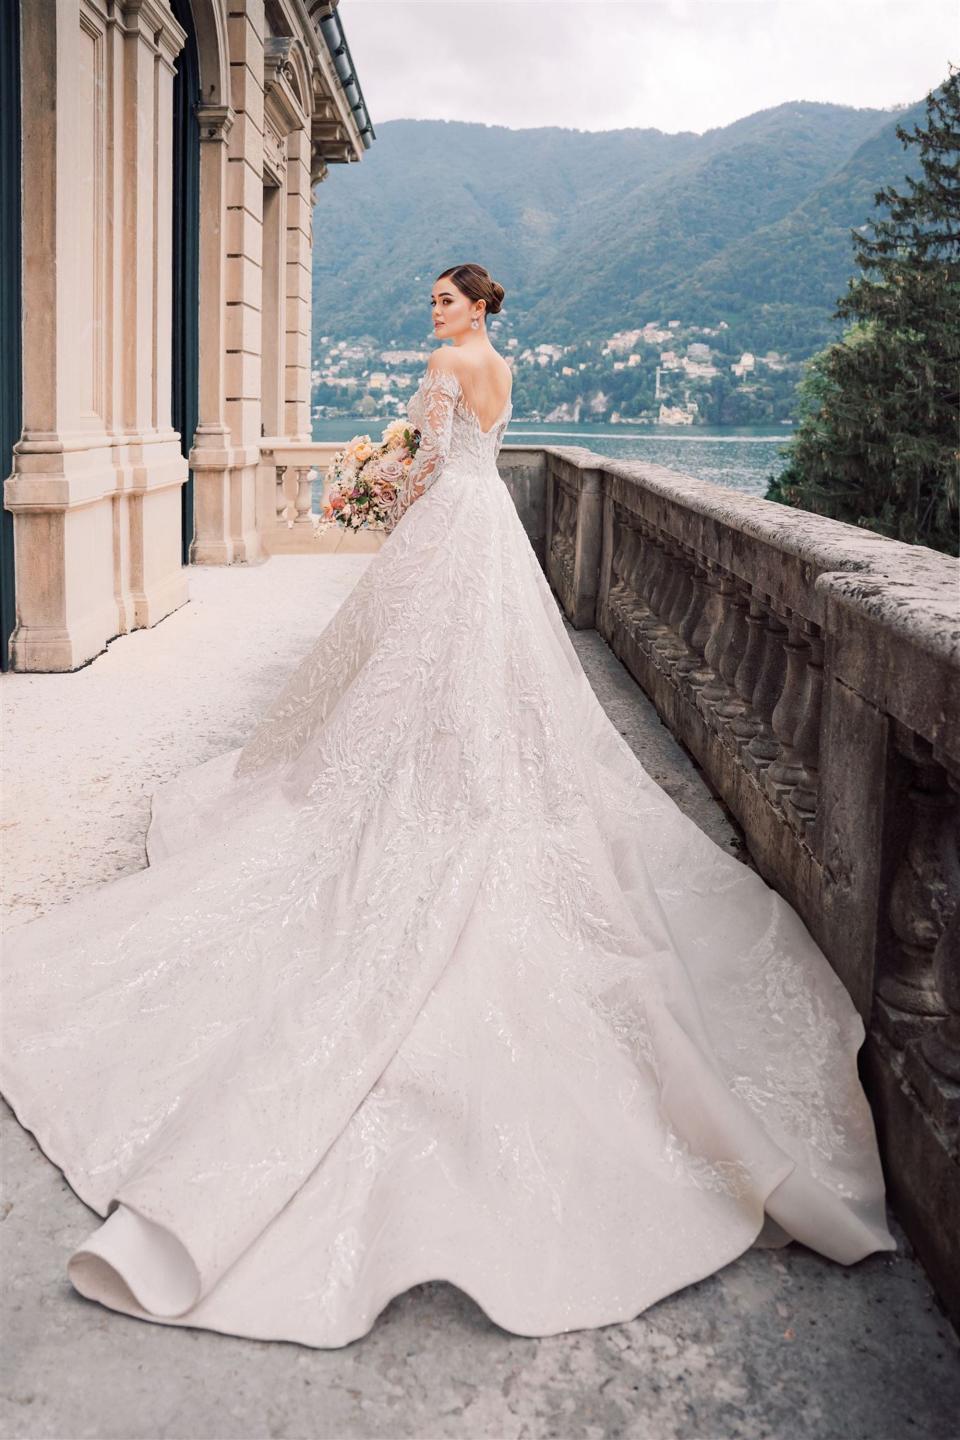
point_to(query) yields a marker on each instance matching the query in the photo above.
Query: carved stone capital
(156, 23)
(216, 122)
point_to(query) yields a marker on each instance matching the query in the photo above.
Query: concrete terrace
(778, 1344)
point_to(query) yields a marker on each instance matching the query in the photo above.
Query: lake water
(743, 458)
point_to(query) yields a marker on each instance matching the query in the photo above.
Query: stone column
(283, 348)
(239, 538)
(97, 473)
(211, 455)
(151, 466)
(299, 287)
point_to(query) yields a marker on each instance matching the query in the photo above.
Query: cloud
(670, 64)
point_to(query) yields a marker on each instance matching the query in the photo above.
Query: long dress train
(431, 980)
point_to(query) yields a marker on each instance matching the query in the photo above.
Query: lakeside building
(160, 160)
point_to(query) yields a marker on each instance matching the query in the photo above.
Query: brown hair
(477, 284)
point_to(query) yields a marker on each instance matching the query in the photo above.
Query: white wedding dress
(431, 981)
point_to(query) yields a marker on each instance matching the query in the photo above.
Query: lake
(741, 457)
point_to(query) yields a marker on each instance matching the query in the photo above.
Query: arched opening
(10, 299)
(185, 370)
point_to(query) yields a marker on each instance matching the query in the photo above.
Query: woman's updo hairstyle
(477, 284)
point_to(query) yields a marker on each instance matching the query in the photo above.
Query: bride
(430, 980)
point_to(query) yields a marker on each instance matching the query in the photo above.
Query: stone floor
(777, 1344)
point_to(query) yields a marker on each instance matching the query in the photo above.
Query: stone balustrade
(287, 476)
(813, 671)
(284, 484)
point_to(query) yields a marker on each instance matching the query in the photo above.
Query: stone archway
(210, 29)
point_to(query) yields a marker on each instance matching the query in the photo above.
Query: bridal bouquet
(365, 479)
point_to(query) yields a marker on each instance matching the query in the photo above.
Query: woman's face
(453, 311)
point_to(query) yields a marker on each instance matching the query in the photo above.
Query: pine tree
(877, 442)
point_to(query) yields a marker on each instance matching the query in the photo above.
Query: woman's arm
(438, 393)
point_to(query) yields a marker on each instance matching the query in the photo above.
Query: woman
(430, 980)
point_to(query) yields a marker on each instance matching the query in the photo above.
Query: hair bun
(477, 283)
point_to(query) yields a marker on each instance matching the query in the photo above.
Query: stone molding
(216, 122)
(154, 22)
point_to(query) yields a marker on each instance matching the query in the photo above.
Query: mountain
(432, 193)
(785, 277)
(593, 232)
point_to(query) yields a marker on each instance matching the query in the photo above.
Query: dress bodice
(438, 409)
(451, 437)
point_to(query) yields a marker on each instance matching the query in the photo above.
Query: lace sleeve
(433, 414)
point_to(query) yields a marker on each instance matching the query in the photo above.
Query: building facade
(159, 172)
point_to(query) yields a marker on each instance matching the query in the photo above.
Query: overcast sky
(672, 64)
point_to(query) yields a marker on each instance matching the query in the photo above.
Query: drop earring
(474, 323)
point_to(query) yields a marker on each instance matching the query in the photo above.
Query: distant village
(659, 374)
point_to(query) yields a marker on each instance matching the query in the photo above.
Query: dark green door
(186, 254)
(10, 338)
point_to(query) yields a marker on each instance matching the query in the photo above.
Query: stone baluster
(634, 568)
(786, 771)
(619, 564)
(693, 630)
(283, 500)
(670, 646)
(563, 541)
(704, 622)
(304, 500)
(624, 605)
(734, 703)
(733, 652)
(556, 515)
(665, 576)
(664, 595)
(563, 518)
(920, 902)
(681, 595)
(941, 1044)
(716, 689)
(801, 803)
(764, 747)
(569, 513)
(635, 558)
(655, 577)
(710, 623)
(746, 724)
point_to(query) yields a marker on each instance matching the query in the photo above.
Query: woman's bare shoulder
(443, 360)
(447, 359)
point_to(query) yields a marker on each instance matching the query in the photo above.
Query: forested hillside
(594, 232)
(778, 284)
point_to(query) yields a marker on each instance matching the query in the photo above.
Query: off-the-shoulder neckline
(469, 408)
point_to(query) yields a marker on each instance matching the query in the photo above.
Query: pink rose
(391, 471)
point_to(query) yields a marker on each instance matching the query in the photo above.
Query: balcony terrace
(793, 684)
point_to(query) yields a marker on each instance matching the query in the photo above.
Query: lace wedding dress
(430, 980)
